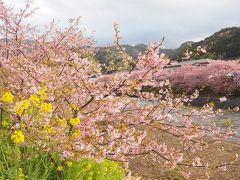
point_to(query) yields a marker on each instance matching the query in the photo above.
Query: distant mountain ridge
(225, 44)
(141, 48)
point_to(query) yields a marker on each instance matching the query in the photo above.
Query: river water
(229, 118)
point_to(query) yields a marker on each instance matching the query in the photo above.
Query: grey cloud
(142, 21)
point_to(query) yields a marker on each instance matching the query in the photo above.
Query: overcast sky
(142, 21)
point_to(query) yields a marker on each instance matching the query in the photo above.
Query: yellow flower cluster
(5, 123)
(42, 93)
(46, 107)
(21, 107)
(22, 125)
(17, 137)
(7, 97)
(59, 168)
(35, 100)
(49, 129)
(69, 163)
(21, 176)
(74, 121)
(89, 166)
(74, 107)
(106, 169)
(76, 133)
(62, 122)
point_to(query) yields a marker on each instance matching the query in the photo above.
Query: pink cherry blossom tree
(60, 109)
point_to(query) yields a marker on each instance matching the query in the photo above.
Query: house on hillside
(200, 62)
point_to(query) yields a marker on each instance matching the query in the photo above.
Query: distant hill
(224, 44)
(141, 48)
(174, 53)
(135, 50)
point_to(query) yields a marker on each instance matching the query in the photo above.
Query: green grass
(90, 169)
(13, 158)
(16, 161)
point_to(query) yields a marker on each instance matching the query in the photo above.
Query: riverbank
(145, 165)
(231, 102)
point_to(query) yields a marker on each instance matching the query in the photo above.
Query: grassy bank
(20, 162)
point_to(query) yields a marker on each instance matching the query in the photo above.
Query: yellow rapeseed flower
(49, 129)
(21, 107)
(5, 123)
(21, 176)
(46, 107)
(62, 122)
(69, 163)
(22, 125)
(89, 166)
(77, 133)
(35, 100)
(74, 107)
(59, 168)
(74, 121)
(17, 137)
(7, 97)
(42, 93)
(106, 169)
